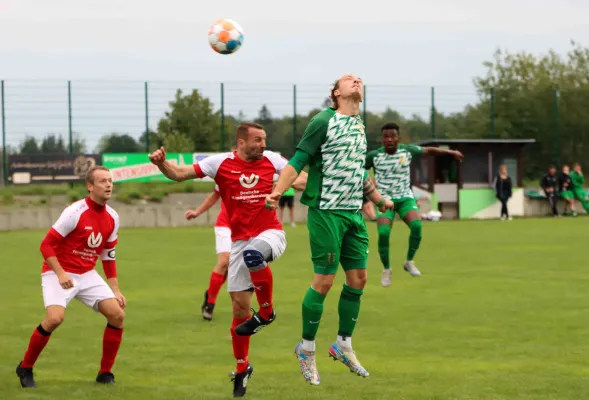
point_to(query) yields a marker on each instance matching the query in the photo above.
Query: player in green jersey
(392, 171)
(334, 147)
(578, 180)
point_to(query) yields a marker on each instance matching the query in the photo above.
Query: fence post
(432, 119)
(364, 108)
(294, 116)
(222, 145)
(555, 113)
(147, 134)
(69, 116)
(4, 149)
(492, 113)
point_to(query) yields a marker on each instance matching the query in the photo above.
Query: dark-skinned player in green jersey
(392, 171)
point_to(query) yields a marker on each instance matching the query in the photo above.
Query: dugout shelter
(465, 190)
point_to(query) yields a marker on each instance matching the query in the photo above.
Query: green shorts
(337, 236)
(402, 207)
(567, 195)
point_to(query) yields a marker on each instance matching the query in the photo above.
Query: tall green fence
(82, 113)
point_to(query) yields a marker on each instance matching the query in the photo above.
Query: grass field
(499, 313)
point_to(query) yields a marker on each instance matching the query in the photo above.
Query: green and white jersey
(337, 146)
(392, 172)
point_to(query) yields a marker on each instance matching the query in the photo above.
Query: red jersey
(223, 217)
(84, 231)
(243, 187)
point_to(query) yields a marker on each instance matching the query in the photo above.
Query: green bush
(124, 198)
(156, 197)
(7, 198)
(135, 194)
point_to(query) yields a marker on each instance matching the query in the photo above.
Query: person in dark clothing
(503, 190)
(549, 183)
(565, 190)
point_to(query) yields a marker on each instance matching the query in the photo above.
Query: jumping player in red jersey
(86, 230)
(244, 177)
(223, 247)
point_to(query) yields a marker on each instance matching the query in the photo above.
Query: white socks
(308, 345)
(344, 341)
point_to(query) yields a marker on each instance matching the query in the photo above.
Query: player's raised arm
(434, 151)
(172, 171)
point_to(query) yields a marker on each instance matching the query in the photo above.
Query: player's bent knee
(357, 278)
(415, 227)
(253, 258)
(54, 317)
(322, 283)
(241, 303)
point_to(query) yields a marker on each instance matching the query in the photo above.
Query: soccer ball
(225, 36)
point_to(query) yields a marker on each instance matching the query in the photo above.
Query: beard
(355, 96)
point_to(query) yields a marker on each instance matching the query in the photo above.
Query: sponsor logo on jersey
(249, 182)
(94, 241)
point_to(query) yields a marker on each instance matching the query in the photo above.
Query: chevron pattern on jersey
(393, 174)
(344, 155)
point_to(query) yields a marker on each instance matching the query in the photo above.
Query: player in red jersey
(244, 177)
(223, 247)
(85, 231)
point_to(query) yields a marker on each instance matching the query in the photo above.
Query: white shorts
(222, 239)
(89, 288)
(238, 276)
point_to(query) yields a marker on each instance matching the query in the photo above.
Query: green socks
(384, 235)
(349, 309)
(312, 311)
(414, 238)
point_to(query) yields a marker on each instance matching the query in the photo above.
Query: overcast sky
(415, 44)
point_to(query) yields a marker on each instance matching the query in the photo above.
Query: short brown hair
(243, 128)
(332, 94)
(90, 173)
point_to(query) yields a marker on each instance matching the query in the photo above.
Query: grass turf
(499, 313)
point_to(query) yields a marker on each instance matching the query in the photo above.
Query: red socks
(37, 343)
(110, 347)
(215, 284)
(111, 342)
(241, 345)
(262, 280)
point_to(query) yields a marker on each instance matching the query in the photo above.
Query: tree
(177, 143)
(29, 146)
(193, 116)
(53, 144)
(264, 116)
(541, 97)
(155, 141)
(118, 143)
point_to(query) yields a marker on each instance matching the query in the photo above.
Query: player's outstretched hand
(121, 299)
(190, 214)
(158, 157)
(388, 205)
(65, 281)
(457, 155)
(272, 200)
